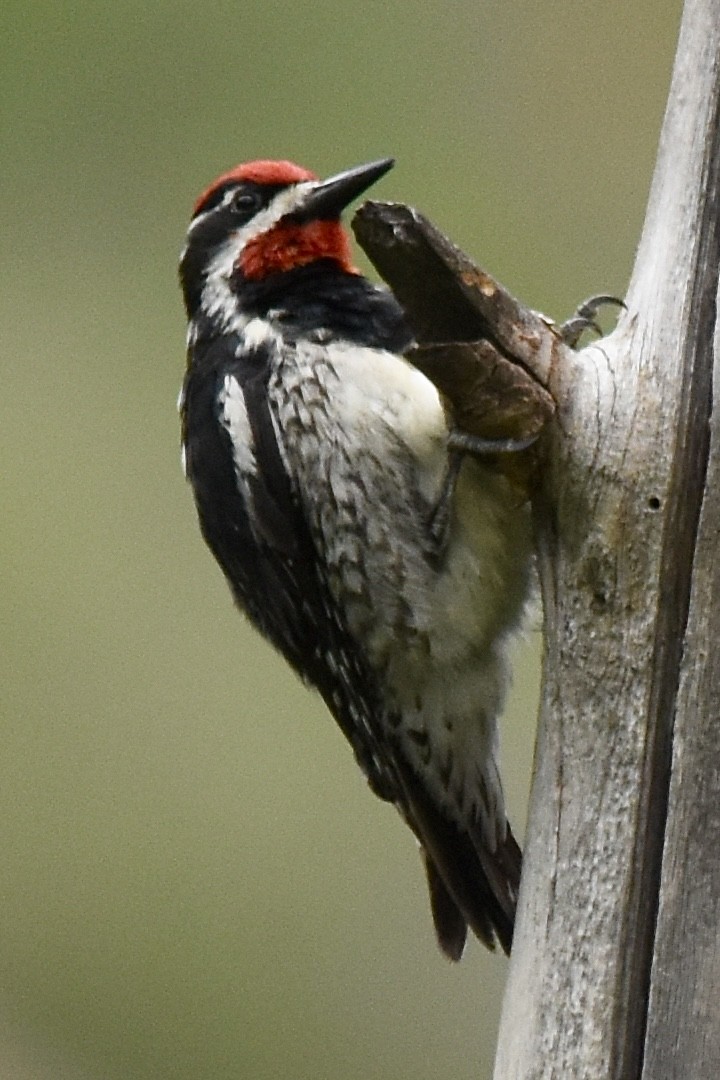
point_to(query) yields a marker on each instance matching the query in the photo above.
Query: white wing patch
(235, 420)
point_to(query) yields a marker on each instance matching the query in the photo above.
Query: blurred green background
(195, 881)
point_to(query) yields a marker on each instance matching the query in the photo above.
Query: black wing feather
(268, 556)
(270, 561)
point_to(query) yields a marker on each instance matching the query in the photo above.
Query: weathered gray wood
(615, 970)
(683, 1032)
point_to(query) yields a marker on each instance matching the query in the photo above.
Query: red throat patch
(289, 245)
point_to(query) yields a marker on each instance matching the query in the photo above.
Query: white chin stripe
(258, 332)
(218, 300)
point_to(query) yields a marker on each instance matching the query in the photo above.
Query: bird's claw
(481, 447)
(584, 319)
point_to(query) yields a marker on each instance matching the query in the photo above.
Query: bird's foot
(584, 319)
(481, 447)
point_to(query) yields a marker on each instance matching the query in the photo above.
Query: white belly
(369, 449)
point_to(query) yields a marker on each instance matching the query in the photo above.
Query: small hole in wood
(654, 502)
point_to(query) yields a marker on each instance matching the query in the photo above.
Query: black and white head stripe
(218, 234)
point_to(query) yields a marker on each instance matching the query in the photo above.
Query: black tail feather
(469, 884)
(450, 924)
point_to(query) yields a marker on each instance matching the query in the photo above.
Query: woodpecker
(389, 571)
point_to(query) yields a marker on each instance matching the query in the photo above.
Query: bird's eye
(245, 203)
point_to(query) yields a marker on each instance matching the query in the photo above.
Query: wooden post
(615, 971)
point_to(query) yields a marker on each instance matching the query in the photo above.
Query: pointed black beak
(330, 197)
